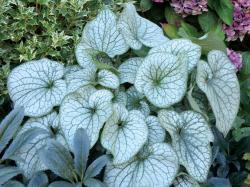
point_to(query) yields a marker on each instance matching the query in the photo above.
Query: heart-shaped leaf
(138, 31)
(121, 131)
(108, 79)
(191, 137)
(184, 180)
(162, 78)
(86, 108)
(157, 167)
(37, 86)
(218, 80)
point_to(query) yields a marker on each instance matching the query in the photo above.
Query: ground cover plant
(139, 108)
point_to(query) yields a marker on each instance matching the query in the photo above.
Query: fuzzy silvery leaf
(8, 172)
(218, 80)
(191, 137)
(180, 47)
(158, 167)
(40, 179)
(135, 101)
(27, 154)
(128, 70)
(86, 108)
(184, 180)
(121, 131)
(37, 86)
(163, 79)
(138, 31)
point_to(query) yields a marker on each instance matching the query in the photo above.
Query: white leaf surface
(86, 108)
(121, 131)
(191, 137)
(185, 180)
(162, 78)
(217, 79)
(157, 168)
(135, 101)
(120, 97)
(138, 31)
(108, 79)
(181, 47)
(156, 133)
(37, 86)
(128, 70)
(30, 162)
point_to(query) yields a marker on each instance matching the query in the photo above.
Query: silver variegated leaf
(37, 86)
(138, 31)
(121, 131)
(181, 47)
(157, 167)
(163, 79)
(120, 97)
(191, 137)
(184, 180)
(86, 108)
(108, 79)
(156, 133)
(218, 80)
(128, 70)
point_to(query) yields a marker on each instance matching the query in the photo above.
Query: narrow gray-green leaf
(8, 172)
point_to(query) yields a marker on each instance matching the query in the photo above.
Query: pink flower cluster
(241, 21)
(235, 58)
(189, 7)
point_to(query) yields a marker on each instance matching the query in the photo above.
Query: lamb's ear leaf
(158, 167)
(81, 147)
(184, 180)
(8, 172)
(37, 86)
(121, 131)
(61, 184)
(163, 79)
(13, 183)
(218, 80)
(136, 101)
(40, 179)
(9, 126)
(138, 31)
(181, 47)
(128, 70)
(108, 79)
(30, 140)
(58, 159)
(86, 108)
(156, 133)
(191, 137)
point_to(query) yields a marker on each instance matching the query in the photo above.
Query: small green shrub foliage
(130, 103)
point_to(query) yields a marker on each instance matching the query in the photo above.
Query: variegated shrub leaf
(218, 80)
(121, 131)
(100, 35)
(191, 137)
(157, 167)
(184, 180)
(162, 78)
(37, 86)
(120, 97)
(181, 47)
(138, 31)
(86, 108)
(128, 70)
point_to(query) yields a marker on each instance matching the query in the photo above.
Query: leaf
(96, 167)
(172, 17)
(191, 137)
(136, 101)
(246, 64)
(37, 86)
(219, 182)
(39, 180)
(86, 108)
(58, 159)
(145, 5)
(8, 172)
(81, 147)
(162, 78)
(208, 17)
(108, 79)
(13, 183)
(240, 133)
(121, 131)
(180, 47)
(217, 79)
(128, 70)
(10, 125)
(158, 167)
(170, 30)
(138, 31)
(185, 180)
(34, 135)
(91, 182)
(61, 184)
(188, 31)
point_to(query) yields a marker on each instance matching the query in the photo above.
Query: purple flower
(189, 7)
(235, 58)
(241, 21)
(158, 1)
